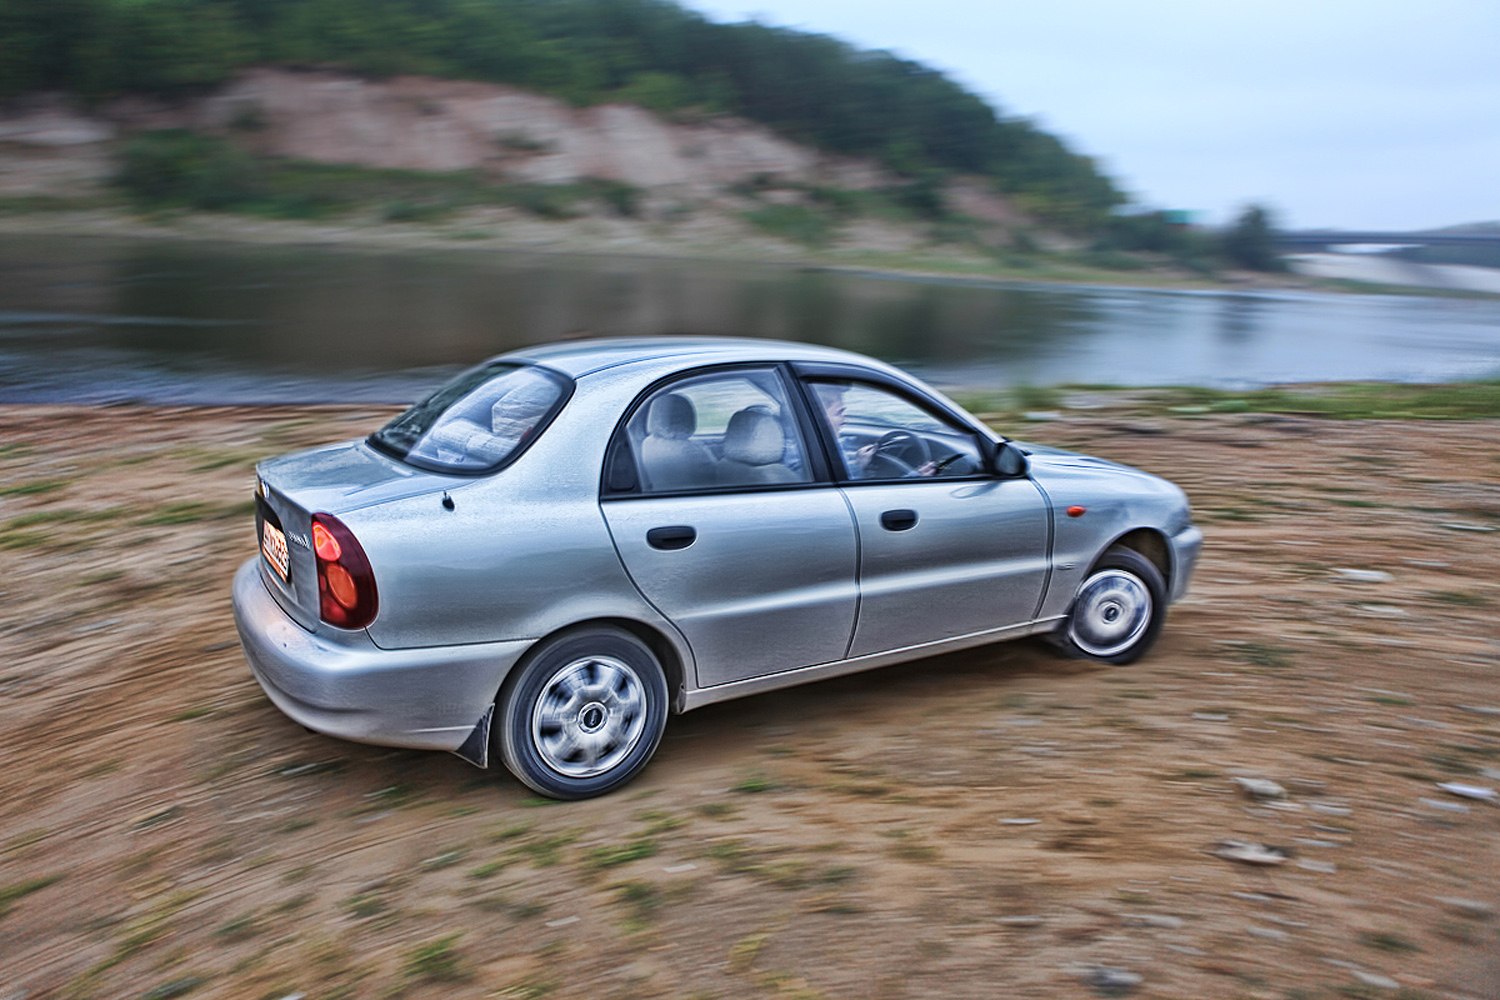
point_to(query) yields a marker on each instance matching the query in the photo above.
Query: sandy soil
(1003, 823)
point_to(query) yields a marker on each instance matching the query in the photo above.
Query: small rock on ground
(1112, 982)
(1260, 788)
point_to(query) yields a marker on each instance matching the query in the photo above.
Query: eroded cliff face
(48, 146)
(426, 124)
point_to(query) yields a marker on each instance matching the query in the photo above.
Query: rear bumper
(1185, 547)
(430, 698)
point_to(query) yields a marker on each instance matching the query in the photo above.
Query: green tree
(1251, 241)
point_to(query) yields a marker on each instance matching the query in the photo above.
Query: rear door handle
(676, 536)
(898, 520)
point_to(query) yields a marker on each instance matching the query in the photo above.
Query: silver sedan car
(554, 551)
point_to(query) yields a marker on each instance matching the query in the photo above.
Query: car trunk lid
(335, 479)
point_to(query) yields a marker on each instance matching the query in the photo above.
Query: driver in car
(856, 460)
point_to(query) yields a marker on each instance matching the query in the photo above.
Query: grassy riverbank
(871, 246)
(1472, 400)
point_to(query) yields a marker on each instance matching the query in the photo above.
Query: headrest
(753, 437)
(671, 416)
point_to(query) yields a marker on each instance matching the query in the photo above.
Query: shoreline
(501, 232)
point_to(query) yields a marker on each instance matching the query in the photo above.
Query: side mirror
(1009, 461)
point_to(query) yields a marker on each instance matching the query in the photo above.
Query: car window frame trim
(820, 471)
(807, 373)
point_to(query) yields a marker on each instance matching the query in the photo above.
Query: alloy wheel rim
(589, 716)
(1111, 613)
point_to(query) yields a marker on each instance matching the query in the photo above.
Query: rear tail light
(346, 584)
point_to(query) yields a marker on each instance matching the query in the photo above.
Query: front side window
(728, 429)
(882, 435)
(478, 422)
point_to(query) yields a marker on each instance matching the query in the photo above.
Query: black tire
(1101, 624)
(582, 715)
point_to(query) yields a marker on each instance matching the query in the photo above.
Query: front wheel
(1118, 611)
(583, 714)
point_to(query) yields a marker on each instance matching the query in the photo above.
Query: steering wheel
(895, 448)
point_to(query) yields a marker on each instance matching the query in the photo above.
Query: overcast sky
(1377, 114)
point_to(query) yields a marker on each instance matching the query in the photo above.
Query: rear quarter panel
(524, 552)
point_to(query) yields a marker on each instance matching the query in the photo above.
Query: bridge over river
(1322, 239)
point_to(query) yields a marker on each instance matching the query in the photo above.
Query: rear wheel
(583, 715)
(1118, 610)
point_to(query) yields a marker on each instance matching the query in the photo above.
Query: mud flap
(476, 749)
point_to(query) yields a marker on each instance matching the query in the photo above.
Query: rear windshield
(478, 422)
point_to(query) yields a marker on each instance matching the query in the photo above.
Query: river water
(99, 320)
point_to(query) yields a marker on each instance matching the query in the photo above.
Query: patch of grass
(1476, 400)
(1385, 941)
(175, 169)
(658, 822)
(241, 928)
(36, 487)
(756, 784)
(1259, 654)
(795, 223)
(499, 903)
(489, 869)
(403, 210)
(436, 961)
(175, 988)
(547, 852)
(742, 953)
(1457, 598)
(622, 854)
(914, 850)
(1387, 699)
(103, 576)
(64, 515)
(716, 810)
(187, 512)
(509, 832)
(19, 890)
(220, 461)
(364, 905)
(1035, 397)
(1447, 762)
(641, 901)
(739, 857)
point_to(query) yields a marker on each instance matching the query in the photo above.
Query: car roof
(577, 358)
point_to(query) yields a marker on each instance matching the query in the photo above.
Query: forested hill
(811, 88)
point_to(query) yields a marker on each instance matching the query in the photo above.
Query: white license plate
(273, 547)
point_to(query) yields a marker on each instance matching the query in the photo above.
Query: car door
(946, 548)
(728, 524)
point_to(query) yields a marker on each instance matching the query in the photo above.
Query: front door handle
(676, 536)
(898, 520)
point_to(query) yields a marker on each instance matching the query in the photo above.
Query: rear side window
(726, 430)
(479, 422)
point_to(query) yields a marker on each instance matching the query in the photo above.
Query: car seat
(670, 459)
(753, 446)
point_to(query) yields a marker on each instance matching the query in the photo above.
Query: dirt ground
(991, 824)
